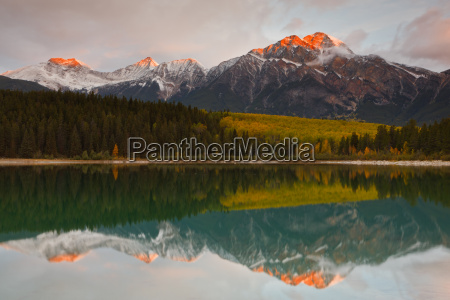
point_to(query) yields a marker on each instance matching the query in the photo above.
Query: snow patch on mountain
(59, 76)
(218, 70)
(71, 74)
(398, 66)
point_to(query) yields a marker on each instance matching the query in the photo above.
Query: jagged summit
(147, 62)
(186, 61)
(70, 62)
(286, 43)
(322, 40)
(147, 258)
(317, 279)
(316, 41)
(66, 257)
(181, 64)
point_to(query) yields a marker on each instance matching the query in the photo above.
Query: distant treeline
(68, 124)
(50, 124)
(428, 141)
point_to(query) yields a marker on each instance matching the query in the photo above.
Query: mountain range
(317, 245)
(317, 76)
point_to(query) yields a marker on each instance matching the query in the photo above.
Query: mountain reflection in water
(300, 224)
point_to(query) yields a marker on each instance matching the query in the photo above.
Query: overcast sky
(110, 34)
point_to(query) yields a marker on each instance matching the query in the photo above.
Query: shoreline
(43, 162)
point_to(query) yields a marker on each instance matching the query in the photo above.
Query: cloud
(322, 4)
(355, 38)
(425, 41)
(328, 54)
(294, 25)
(111, 34)
(427, 37)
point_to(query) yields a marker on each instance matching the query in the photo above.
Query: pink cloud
(294, 25)
(427, 37)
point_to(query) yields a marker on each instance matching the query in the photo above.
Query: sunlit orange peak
(287, 42)
(292, 40)
(320, 40)
(187, 60)
(147, 62)
(71, 62)
(315, 279)
(66, 257)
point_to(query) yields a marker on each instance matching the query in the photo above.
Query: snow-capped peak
(186, 61)
(287, 42)
(147, 62)
(292, 40)
(322, 40)
(70, 62)
(316, 42)
(182, 64)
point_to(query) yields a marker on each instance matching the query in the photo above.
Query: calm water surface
(224, 232)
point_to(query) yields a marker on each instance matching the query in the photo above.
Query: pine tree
(74, 143)
(50, 142)
(341, 148)
(423, 139)
(41, 137)
(354, 140)
(61, 138)
(28, 146)
(2, 141)
(14, 140)
(382, 138)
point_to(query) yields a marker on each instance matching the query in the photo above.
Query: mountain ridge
(7, 83)
(317, 76)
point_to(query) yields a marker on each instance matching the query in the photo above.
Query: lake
(224, 232)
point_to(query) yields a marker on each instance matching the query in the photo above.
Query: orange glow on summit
(71, 62)
(146, 258)
(66, 257)
(313, 278)
(318, 40)
(147, 62)
(183, 61)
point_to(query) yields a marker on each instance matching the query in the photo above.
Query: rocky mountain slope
(20, 85)
(317, 76)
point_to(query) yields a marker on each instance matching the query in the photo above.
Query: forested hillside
(58, 124)
(49, 124)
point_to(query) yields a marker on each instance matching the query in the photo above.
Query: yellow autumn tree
(326, 147)
(405, 148)
(115, 152)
